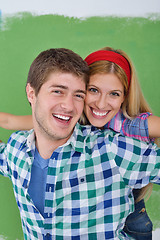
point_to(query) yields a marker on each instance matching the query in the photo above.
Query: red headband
(110, 56)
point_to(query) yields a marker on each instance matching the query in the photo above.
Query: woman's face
(105, 94)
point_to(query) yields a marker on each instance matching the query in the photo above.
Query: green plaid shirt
(89, 183)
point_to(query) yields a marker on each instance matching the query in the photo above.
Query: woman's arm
(154, 126)
(14, 122)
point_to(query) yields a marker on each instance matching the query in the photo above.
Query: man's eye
(57, 91)
(115, 94)
(94, 90)
(80, 96)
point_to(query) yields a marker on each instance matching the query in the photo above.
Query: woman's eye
(94, 90)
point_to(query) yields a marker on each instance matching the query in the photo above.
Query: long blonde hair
(134, 103)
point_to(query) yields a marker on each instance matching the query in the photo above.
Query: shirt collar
(78, 137)
(31, 140)
(28, 141)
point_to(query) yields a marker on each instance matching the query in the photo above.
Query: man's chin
(60, 136)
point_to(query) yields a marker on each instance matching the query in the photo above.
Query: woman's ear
(30, 93)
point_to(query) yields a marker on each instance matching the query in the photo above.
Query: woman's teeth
(62, 117)
(99, 113)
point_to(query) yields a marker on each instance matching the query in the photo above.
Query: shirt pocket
(80, 192)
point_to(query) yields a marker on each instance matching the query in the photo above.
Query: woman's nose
(102, 102)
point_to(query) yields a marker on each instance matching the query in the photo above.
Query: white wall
(82, 8)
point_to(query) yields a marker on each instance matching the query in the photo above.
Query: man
(70, 181)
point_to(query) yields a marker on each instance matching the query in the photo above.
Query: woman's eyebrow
(111, 90)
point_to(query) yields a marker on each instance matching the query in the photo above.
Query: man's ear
(30, 93)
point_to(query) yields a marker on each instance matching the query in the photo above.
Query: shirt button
(47, 237)
(82, 180)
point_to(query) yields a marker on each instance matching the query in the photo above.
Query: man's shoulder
(21, 134)
(93, 134)
(83, 131)
(90, 131)
(19, 137)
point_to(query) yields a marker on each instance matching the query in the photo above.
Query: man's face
(58, 106)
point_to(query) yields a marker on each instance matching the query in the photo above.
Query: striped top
(136, 128)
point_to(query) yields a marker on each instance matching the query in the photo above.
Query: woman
(114, 100)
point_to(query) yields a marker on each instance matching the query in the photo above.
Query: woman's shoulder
(136, 127)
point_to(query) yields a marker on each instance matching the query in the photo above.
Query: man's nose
(68, 103)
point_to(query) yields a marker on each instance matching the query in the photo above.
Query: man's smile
(62, 117)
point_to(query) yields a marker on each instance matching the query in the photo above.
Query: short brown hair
(53, 60)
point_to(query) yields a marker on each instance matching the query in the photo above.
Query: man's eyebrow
(65, 87)
(81, 91)
(59, 86)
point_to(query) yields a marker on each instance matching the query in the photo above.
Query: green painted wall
(24, 36)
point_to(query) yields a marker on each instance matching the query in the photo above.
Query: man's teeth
(100, 114)
(62, 117)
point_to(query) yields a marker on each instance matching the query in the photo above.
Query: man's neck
(47, 147)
